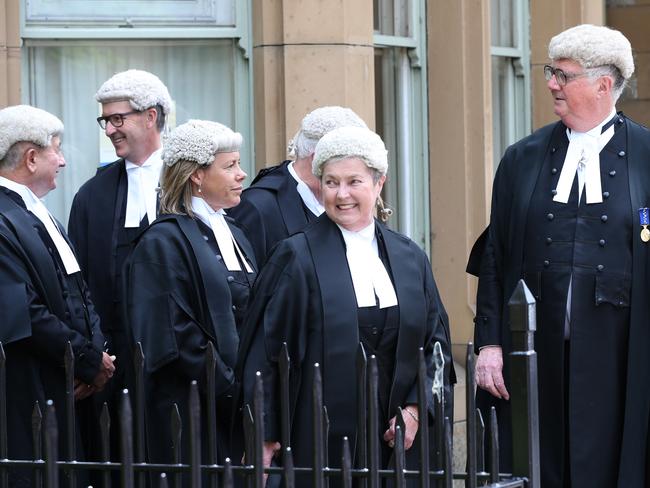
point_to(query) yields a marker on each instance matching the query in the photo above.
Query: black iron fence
(435, 469)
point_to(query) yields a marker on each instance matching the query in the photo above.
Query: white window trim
(413, 181)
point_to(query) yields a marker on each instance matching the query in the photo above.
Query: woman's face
(220, 182)
(349, 193)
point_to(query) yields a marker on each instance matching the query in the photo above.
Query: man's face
(576, 103)
(47, 163)
(130, 139)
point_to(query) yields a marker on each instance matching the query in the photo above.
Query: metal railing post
(523, 386)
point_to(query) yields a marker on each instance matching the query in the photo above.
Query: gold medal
(645, 234)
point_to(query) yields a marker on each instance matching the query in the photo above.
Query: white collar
(36, 207)
(228, 246)
(25, 193)
(154, 159)
(583, 158)
(369, 275)
(142, 197)
(306, 195)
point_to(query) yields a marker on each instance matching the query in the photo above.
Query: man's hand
(489, 372)
(411, 426)
(82, 390)
(105, 373)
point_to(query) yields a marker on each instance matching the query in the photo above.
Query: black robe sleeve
(164, 309)
(28, 317)
(77, 223)
(489, 298)
(437, 332)
(280, 312)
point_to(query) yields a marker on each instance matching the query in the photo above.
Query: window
(203, 61)
(401, 114)
(510, 51)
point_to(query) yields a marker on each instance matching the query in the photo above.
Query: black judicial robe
(40, 314)
(178, 298)
(92, 228)
(304, 296)
(270, 210)
(501, 255)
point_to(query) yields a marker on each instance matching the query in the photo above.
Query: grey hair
(161, 118)
(303, 145)
(619, 83)
(16, 152)
(376, 174)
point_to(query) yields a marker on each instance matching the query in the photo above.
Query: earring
(199, 188)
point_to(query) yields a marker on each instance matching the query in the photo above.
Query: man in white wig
(119, 202)
(44, 301)
(283, 199)
(569, 213)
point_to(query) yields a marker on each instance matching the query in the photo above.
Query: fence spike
(480, 441)
(105, 433)
(227, 474)
(449, 452)
(289, 471)
(423, 412)
(37, 441)
(373, 426)
(361, 441)
(195, 435)
(249, 435)
(284, 364)
(177, 439)
(211, 407)
(317, 429)
(398, 454)
(51, 446)
(258, 429)
(163, 480)
(523, 386)
(138, 365)
(126, 438)
(71, 437)
(346, 464)
(494, 447)
(4, 453)
(326, 437)
(471, 419)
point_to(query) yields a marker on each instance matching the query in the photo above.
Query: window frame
(518, 118)
(409, 98)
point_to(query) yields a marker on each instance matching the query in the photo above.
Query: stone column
(307, 54)
(460, 139)
(9, 52)
(632, 19)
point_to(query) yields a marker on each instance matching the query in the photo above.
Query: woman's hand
(269, 451)
(411, 425)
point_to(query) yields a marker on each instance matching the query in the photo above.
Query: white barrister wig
(142, 89)
(199, 141)
(24, 123)
(319, 122)
(351, 142)
(593, 46)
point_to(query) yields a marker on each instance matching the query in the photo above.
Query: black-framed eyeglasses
(561, 77)
(116, 120)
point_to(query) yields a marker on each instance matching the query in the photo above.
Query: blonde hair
(176, 188)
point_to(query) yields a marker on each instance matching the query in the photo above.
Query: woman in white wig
(188, 282)
(345, 280)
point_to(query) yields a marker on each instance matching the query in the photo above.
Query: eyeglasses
(116, 120)
(561, 77)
